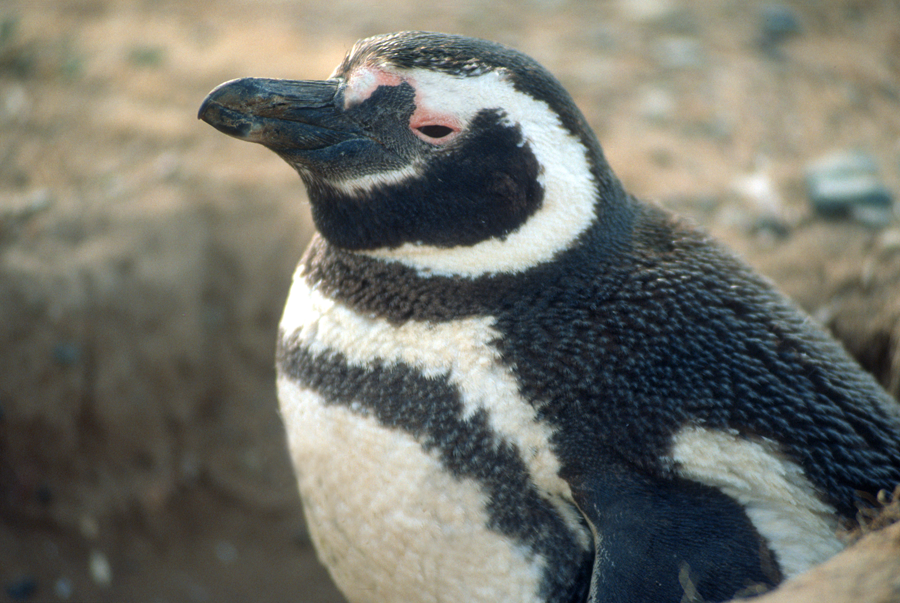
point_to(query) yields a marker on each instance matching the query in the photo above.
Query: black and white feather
(505, 379)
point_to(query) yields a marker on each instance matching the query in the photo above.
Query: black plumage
(630, 335)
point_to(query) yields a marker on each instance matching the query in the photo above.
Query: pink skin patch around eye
(423, 120)
(365, 80)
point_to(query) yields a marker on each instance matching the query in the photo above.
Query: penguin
(503, 378)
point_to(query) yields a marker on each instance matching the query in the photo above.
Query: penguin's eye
(434, 127)
(435, 131)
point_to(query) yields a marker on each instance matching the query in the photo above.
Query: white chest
(388, 518)
(388, 521)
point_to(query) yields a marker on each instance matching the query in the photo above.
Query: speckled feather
(627, 337)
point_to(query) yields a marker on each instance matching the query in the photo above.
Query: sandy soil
(144, 257)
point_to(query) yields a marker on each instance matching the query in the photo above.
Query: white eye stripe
(461, 96)
(567, 208)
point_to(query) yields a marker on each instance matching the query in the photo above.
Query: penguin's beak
(286, 116)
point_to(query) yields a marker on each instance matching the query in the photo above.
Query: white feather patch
(459, 350)
(569, 187)
(388, 521)
(778, 498)
(359, 186)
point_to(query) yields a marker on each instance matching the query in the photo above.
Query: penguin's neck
(397, 292)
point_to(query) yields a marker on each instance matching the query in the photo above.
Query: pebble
(37, 201)
(19, 210)
(889, 240)
(777, 23)
(197, 592)
(656, 105)
(847, 184)
(226, 552)
(14, 104)
(874, 217)
(646, 10)
(601, 36)
(22, 589)
(679, 52)
(760, 191)
(147, 56)
(66, 353)
(101, 571)
(63, 589)
(88, 527)
(766, 208)
(190, 467)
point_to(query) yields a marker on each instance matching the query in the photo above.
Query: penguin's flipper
(657, 540)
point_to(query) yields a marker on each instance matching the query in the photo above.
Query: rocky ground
(144, 257)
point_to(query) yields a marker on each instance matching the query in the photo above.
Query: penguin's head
(450, 154)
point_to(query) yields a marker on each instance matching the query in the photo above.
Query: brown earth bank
(145, 258)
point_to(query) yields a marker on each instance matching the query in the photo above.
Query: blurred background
(145, 258)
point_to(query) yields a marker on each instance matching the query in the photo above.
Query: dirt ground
(145, 258)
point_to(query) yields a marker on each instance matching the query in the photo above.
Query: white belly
(388, 521)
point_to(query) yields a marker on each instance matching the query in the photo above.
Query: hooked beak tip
(280, 114)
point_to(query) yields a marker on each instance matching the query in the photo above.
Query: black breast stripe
(430, 409)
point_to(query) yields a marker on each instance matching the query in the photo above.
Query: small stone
(22, 589)
(197, 592)
(66, 353)
(777, 23)
(760, 191)
(190, 467)
(602, 37)
(678, 52)
(646, 10)
(101, 571)
(20, 209)
(147, 56)
(14, 104)
(252, 460)
(38, 201)
(774, 227)
(837, 195)
(845, 162)
(226, 552)
(846, 184)
(656, 105)
(765, 215)
(889, 240)
(63, 589)
(873, 217)
(89, 527)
